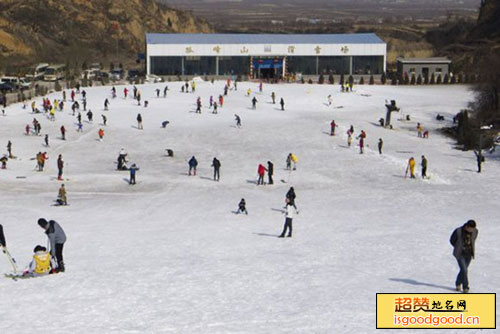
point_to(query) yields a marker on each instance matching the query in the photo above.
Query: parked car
(116, 74)
(151, 78)
(90, 74)
(6, 87)
(134, 75)
(101, 75)
(15, 82)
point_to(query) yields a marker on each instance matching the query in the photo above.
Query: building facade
(264, 55)
(423, 66)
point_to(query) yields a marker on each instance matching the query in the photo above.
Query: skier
(57, 238)
(80, 127)
(133, 169)
(193, 86)
(187, 87)
(249, 91)
(157, 92)
(89, 116)
(270, 172)
(41, 265)
(198, 105)
(3, 243)
(260, 86)
(463, 240)
(101, 134)
(122, 159)
(226, 88)
(165, 90)
(106, 104)
(289, 209)
(211, 101)
(329, 100)
(215, 108)
(282, 103)
(216, 165)
(84, 102)
(193, 163)
(221, 101)
(79, 117)
(479, 159)
(361, 138)
(60, 166)
(27, 129)
(289, 161)
(254, 103)
(238, 121)
(139, 121)
(411, 168)
(72, 96)
(63, 132)
(381, 145)
(261, 170)
(138, 97)
(273, 96)
(4, 160)
(61, 196)
(420, 129)
(333, 125)
(104, 119)
(125, 92)
(241, 207)
(9, 149)
(290, 196)
(46, 140)
(423, 164)
(113, 92)
(164, 124)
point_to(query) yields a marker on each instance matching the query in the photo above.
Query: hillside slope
(33, 30)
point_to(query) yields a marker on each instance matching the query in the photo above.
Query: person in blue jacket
(193, 163)
(133, 169)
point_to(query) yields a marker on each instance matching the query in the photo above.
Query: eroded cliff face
(58, 30)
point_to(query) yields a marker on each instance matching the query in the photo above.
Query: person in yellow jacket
(42, 263)
(411, 168)
(52, 114)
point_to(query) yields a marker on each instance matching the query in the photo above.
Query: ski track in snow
(169, 255)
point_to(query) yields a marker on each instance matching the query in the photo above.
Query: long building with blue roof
(264, 55)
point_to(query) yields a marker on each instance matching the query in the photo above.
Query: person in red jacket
(63, 132)
(262, 172)
(333, 125)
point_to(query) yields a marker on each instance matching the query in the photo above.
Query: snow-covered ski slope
(169, 255)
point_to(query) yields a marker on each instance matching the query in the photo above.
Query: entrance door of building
(267, 68)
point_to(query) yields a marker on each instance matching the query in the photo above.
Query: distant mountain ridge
(55, 30)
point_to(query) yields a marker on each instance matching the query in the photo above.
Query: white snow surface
(169, 255)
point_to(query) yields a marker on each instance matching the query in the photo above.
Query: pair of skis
(12, 261)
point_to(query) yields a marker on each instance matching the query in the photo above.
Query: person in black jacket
(57, 238)
(3, 243)
(270, 171)
(463, 240)
(216, 166)
(290, 196)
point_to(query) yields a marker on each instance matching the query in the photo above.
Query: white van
(15, 82)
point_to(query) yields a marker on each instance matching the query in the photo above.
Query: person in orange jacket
(101, 134)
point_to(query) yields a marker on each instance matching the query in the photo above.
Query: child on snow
(242, 207)
(61, 197)
(42, 263)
